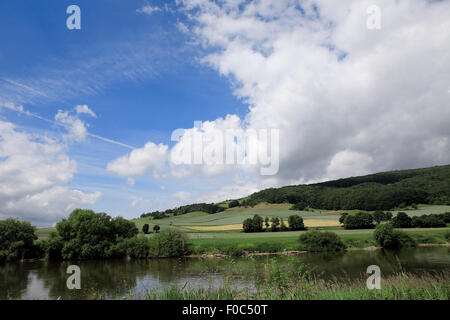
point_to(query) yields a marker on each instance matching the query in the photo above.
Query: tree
(361, 220)
(283, 225)
(342, 217)
(275, 224)
(254, 224)
(156, 228)
(266, 221)
(16, 240)
(233, 203)
(402, 220)
(170, 243)
(378, 216)
(145, 228)
(296, 223)
(387, 237)
(89, 235)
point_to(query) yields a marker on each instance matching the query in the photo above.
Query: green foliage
(275, 224)
(233, 203)
(316, 241)
(401, 220)
(342, 217)
(299, 206)
(145, 228)
(204, 207)
(169, 243)
(283, 226)
(447, 235)
(156, 228)
(266, 223)
(361, 220)
(254, 224)
(428, 221)
(137, 247)
(296, 223)
(381, 191)
(387, 237)
(88, 235)
(17, 240)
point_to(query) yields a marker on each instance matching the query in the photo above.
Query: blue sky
(167, 87)
(86, 116)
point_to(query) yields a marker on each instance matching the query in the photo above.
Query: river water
(114, 279)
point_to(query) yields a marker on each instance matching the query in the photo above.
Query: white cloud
(76, 127)
(150, 158)
(33, 171)
(85, 109)
(148, 9)
(332, 86)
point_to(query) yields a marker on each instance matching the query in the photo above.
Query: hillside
(380, 191)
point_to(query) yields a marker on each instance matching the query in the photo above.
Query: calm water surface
(117, 278)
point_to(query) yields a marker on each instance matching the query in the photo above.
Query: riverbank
(402, 286)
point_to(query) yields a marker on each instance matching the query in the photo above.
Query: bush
(137, 247)
(145, 228)
(233, 203)
(361, 220)
(387, 237)
(296, 223)
(17, 240)
(156, 228)
(447, 236)
(169, 243)
(316, 241)
(401, 220)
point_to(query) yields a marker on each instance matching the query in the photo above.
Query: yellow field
(230, 227)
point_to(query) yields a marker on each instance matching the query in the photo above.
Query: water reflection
(115, 279)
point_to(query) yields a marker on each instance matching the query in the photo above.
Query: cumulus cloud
(347, 100)
(148, 9)
(333, 87)
(34, 171)
(150, 158)
(77, 130)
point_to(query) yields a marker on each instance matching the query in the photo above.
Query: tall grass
(285, 282)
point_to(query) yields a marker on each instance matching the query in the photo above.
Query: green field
(210, 239)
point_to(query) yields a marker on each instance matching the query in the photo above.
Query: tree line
(204, 207)
(258, 224)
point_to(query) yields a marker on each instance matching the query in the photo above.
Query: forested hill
(380, 191)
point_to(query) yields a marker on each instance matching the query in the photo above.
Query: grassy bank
(290, 286)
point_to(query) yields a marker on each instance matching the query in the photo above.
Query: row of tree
(204, 207)
(364, 220)
(257, 223)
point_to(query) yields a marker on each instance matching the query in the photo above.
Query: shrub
(233, 203)
(447, 236)
(296, 223)
(53, 246)
(16, 240)
(316, 241)
(169, 243)
(137, 247)
(156, 228)
(145, 228)
(401, 220)
(387, 237)
(361, 220)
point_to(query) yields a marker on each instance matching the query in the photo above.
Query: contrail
(25, 87)
(20, 110)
